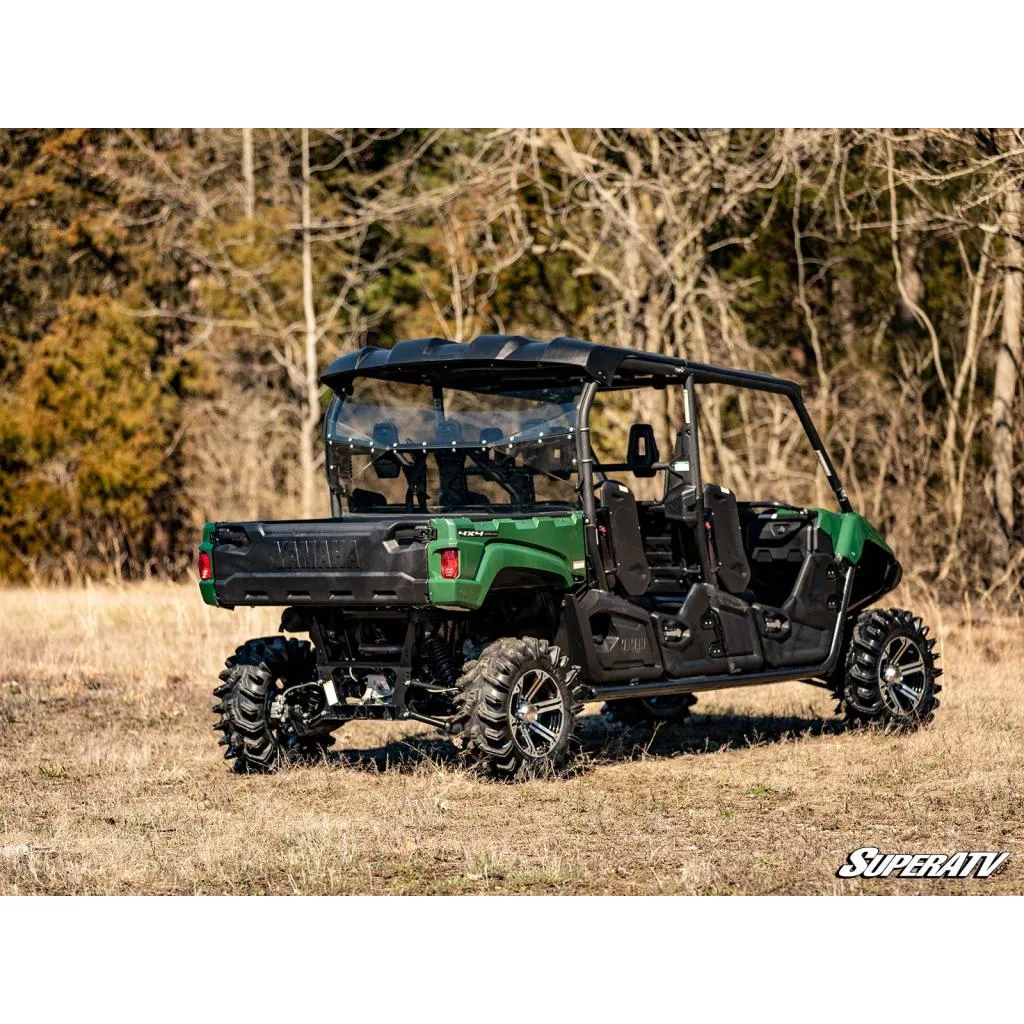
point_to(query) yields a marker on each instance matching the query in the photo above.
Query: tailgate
(354, 561)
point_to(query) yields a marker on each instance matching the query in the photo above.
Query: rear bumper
(373, 589)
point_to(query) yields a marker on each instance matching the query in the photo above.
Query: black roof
(506, 362)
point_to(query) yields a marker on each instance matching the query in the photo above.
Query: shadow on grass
(402, 755)
(699, 734)
(601, 742)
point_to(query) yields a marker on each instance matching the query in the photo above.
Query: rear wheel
(264, 684)
(650, 710)
(890, 671)
(518, 707)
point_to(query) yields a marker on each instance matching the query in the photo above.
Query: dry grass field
(111, 781)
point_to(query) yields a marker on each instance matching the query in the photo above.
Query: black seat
(680, 499)
(453, 488)
(387, 466)
(631, 569)
(664, 551)
(733, 569)
(517, 479)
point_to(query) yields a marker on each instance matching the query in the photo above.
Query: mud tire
(253, 676)
(883, 640)
(493, 706)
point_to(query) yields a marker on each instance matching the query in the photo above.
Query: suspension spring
(440, 659)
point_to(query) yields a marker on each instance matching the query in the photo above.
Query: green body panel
(547, 544)
(849, 532)
(206, 586)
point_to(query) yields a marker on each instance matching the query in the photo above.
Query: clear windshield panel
(405, 447)
(389, 414)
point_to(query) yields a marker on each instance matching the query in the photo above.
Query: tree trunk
(911, 284)
(842, 307)
(311, 417)
(248, 174)
(1004, 389)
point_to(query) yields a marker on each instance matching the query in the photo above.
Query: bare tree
(637, 211)
(883, 269)
(248, 174)
(1007, 374)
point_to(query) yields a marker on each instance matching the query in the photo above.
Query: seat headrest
(642, 452)
(385, 434)
(449, 432)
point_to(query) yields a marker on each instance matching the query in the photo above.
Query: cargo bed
(355, 561)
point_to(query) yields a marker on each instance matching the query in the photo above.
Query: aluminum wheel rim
(536, 713)
(902, 675)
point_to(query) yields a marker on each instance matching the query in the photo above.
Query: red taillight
(205, 566)
(450, 563)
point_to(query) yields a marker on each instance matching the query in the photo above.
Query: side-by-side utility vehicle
(483, 573)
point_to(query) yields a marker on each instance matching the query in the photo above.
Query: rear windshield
(386, 414)
(407, 447)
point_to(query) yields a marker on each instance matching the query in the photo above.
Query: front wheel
(890, 671)
(518, 706)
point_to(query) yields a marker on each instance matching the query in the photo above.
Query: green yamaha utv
(483, 573)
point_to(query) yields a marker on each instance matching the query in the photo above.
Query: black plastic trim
(669, 687)
(336, 562)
